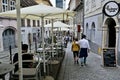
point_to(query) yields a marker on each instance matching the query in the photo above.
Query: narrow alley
(92, 71)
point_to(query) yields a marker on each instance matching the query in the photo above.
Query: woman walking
(75, 49)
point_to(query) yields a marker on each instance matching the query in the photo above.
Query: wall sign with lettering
(111, 8)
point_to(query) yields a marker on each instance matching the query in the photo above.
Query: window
(4, 5)
(87, 31)
(59, 3)
(28, 23)
(38, 23)
(45, 21)
(12, 5)
(22, 22)
(93, 31)
(34, 25)
(23, 30)
(49, 21)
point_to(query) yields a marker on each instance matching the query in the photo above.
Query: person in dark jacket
(24, 57)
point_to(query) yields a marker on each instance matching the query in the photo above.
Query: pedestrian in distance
(84, 50)
(75, 49)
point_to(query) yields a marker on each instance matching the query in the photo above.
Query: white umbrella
(57, 24)
(36, 12)
(62, 29)
(40, 10)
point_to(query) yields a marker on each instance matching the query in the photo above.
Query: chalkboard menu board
(109, 57)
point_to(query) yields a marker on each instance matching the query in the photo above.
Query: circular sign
(111, 8)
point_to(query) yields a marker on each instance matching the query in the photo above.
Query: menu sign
(111, 8)
(109, 57)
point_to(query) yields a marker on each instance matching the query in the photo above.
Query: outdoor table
(4, 69)
(41, 49)
(40, 59)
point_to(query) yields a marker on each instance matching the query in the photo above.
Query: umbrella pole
(52, 39)
(43, 46)
(19, 39)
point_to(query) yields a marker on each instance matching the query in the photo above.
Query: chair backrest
(28, 73)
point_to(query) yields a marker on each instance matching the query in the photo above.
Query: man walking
(84, 49)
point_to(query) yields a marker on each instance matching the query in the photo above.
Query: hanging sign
(111, 8)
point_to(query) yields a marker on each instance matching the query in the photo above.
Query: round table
(4, 69)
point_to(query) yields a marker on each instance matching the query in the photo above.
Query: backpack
(75, 46)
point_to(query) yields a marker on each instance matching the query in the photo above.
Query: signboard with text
(109, 57)
(111, 9)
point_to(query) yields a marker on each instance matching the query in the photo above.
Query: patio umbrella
(57, 24)
(62, 29)
(37, 12)
(41, 10)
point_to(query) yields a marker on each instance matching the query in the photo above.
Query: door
(8, 39)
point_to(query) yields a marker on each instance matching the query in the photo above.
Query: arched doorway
(8, 39)
(110, 22)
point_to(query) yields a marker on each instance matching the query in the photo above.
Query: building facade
(102, 31)
(30, 29)
(77, 6)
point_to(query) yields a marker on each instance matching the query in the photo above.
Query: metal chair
(32, 73)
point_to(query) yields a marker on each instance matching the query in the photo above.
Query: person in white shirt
(84, 49)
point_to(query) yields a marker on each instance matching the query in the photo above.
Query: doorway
(8, 39)
(111, 34)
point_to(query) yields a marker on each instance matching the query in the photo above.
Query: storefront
(110, 31)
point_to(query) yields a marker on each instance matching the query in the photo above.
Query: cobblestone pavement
(92, 71)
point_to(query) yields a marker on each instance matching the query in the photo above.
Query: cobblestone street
(92, 71)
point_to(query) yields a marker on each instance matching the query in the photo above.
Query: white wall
(5, 23)
(92, 7)
(98, 28)
(93, 13)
